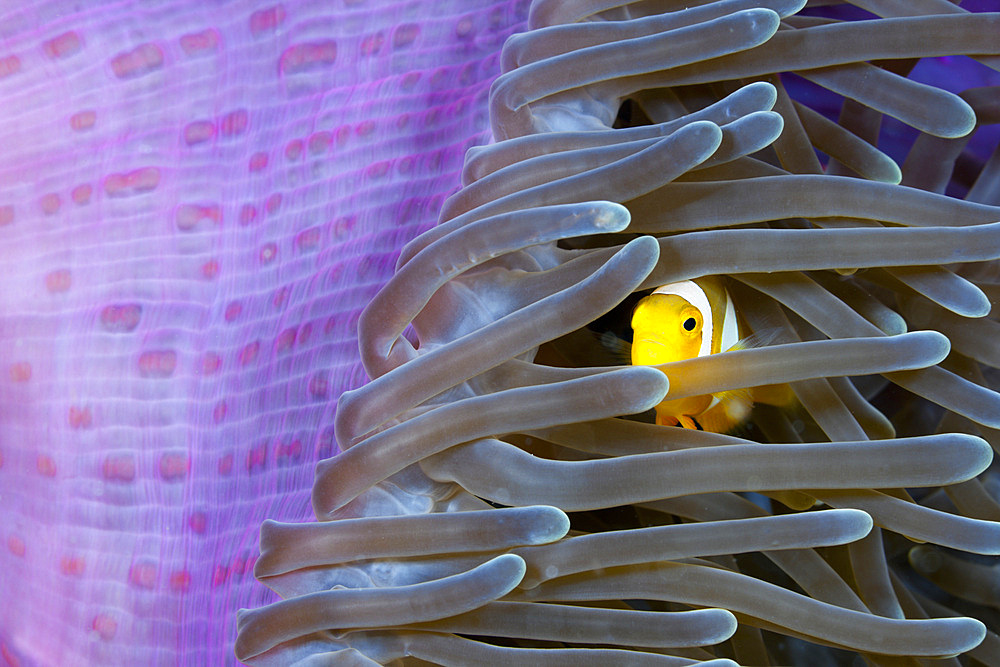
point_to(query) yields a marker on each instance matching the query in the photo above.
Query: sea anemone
(500, 495)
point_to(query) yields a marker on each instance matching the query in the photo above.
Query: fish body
(684, 320)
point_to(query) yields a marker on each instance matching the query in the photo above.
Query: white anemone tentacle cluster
(489, 504)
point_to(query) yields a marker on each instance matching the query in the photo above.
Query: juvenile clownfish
(684, 320)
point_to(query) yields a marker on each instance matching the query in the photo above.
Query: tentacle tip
(937, 345)
(765, 90)
(889, 173)
(651, 384)
(981, 309)
(774, 119)
(509, 569)
(611, 217)
(552, 524)
(978, 451)
(924, 559)
(642, 252)
(763, 21)
(860, 522)
(725, 624)
(702, 131)
(794, 7)
(962, 125)
(975, 633)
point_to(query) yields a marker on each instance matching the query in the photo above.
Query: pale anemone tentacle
(724, 203)
(931, 161)
(863, 303)
(404, 296)
(921, 523)
(506, 474)
(845, 146)
(771, 605)
(263, 628)
(454, 651)
(894, 38)
(943, 287)
(512, 93)
(767, 250)
(742, 136)
(645, 545)
(488, 453)
(570, 623)
(936, 384)
(972, 499)
(563, 36)
(889, 8)
(871, 573)
(630, 177)
(288, 546)
(924, 107)
(968, 580)
(805, 566)
(920, 606)
(545, 13)
(493, 343)
(342, 478)
(481, 161)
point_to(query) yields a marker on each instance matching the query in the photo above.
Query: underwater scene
(549, 332)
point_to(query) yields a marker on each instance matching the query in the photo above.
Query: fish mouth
(650, 341)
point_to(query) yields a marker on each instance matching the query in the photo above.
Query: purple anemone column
(196, 200)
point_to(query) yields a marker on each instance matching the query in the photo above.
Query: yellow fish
(684, 320)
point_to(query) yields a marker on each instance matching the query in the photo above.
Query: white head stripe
(730, 328)
(695, 295)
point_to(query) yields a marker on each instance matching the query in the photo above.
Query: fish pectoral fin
(737, 403)
(759, 338)
(666, 420)
(688, 422)
(732, 409)
(684, 421)
(620, 350)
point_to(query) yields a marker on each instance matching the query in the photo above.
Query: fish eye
(689, 324)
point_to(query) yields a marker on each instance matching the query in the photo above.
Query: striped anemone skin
(197, 199)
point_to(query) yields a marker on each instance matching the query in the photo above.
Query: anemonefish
(683, 320)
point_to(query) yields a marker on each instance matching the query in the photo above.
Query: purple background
(196, 199)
